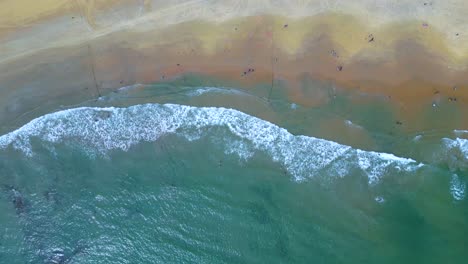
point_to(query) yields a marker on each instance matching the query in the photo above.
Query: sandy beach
(412, 53)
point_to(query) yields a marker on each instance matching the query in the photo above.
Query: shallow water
(171, 183)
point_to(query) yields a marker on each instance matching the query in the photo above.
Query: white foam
(454, 153)
(379, 199)
(104, 129)
(460, 133)
(376, 164)
(457, 188)
(351, 124)
(204, 90)
(130, 87)
(461, 144)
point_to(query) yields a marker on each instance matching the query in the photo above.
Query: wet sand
(414, 60)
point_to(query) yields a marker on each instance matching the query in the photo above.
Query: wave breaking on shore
(104, 129)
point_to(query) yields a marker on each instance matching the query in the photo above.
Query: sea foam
(457, 188)
(104, 129)
(204, 90)
(453, 153)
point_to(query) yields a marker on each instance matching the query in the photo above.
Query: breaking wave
(104, 129)
(454, 154)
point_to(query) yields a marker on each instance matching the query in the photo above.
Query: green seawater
(123, 185)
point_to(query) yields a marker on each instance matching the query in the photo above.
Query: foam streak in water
(457, 188)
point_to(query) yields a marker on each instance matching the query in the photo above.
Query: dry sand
(411, 52)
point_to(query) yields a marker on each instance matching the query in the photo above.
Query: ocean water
(164, 178)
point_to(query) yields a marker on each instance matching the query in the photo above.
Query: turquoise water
(171, 183)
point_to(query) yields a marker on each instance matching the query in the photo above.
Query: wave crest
(105, 129)
(454, 154)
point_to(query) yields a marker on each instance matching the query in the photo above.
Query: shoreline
(404, 62)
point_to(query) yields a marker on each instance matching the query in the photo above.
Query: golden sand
(57, 23)
(411, 53)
